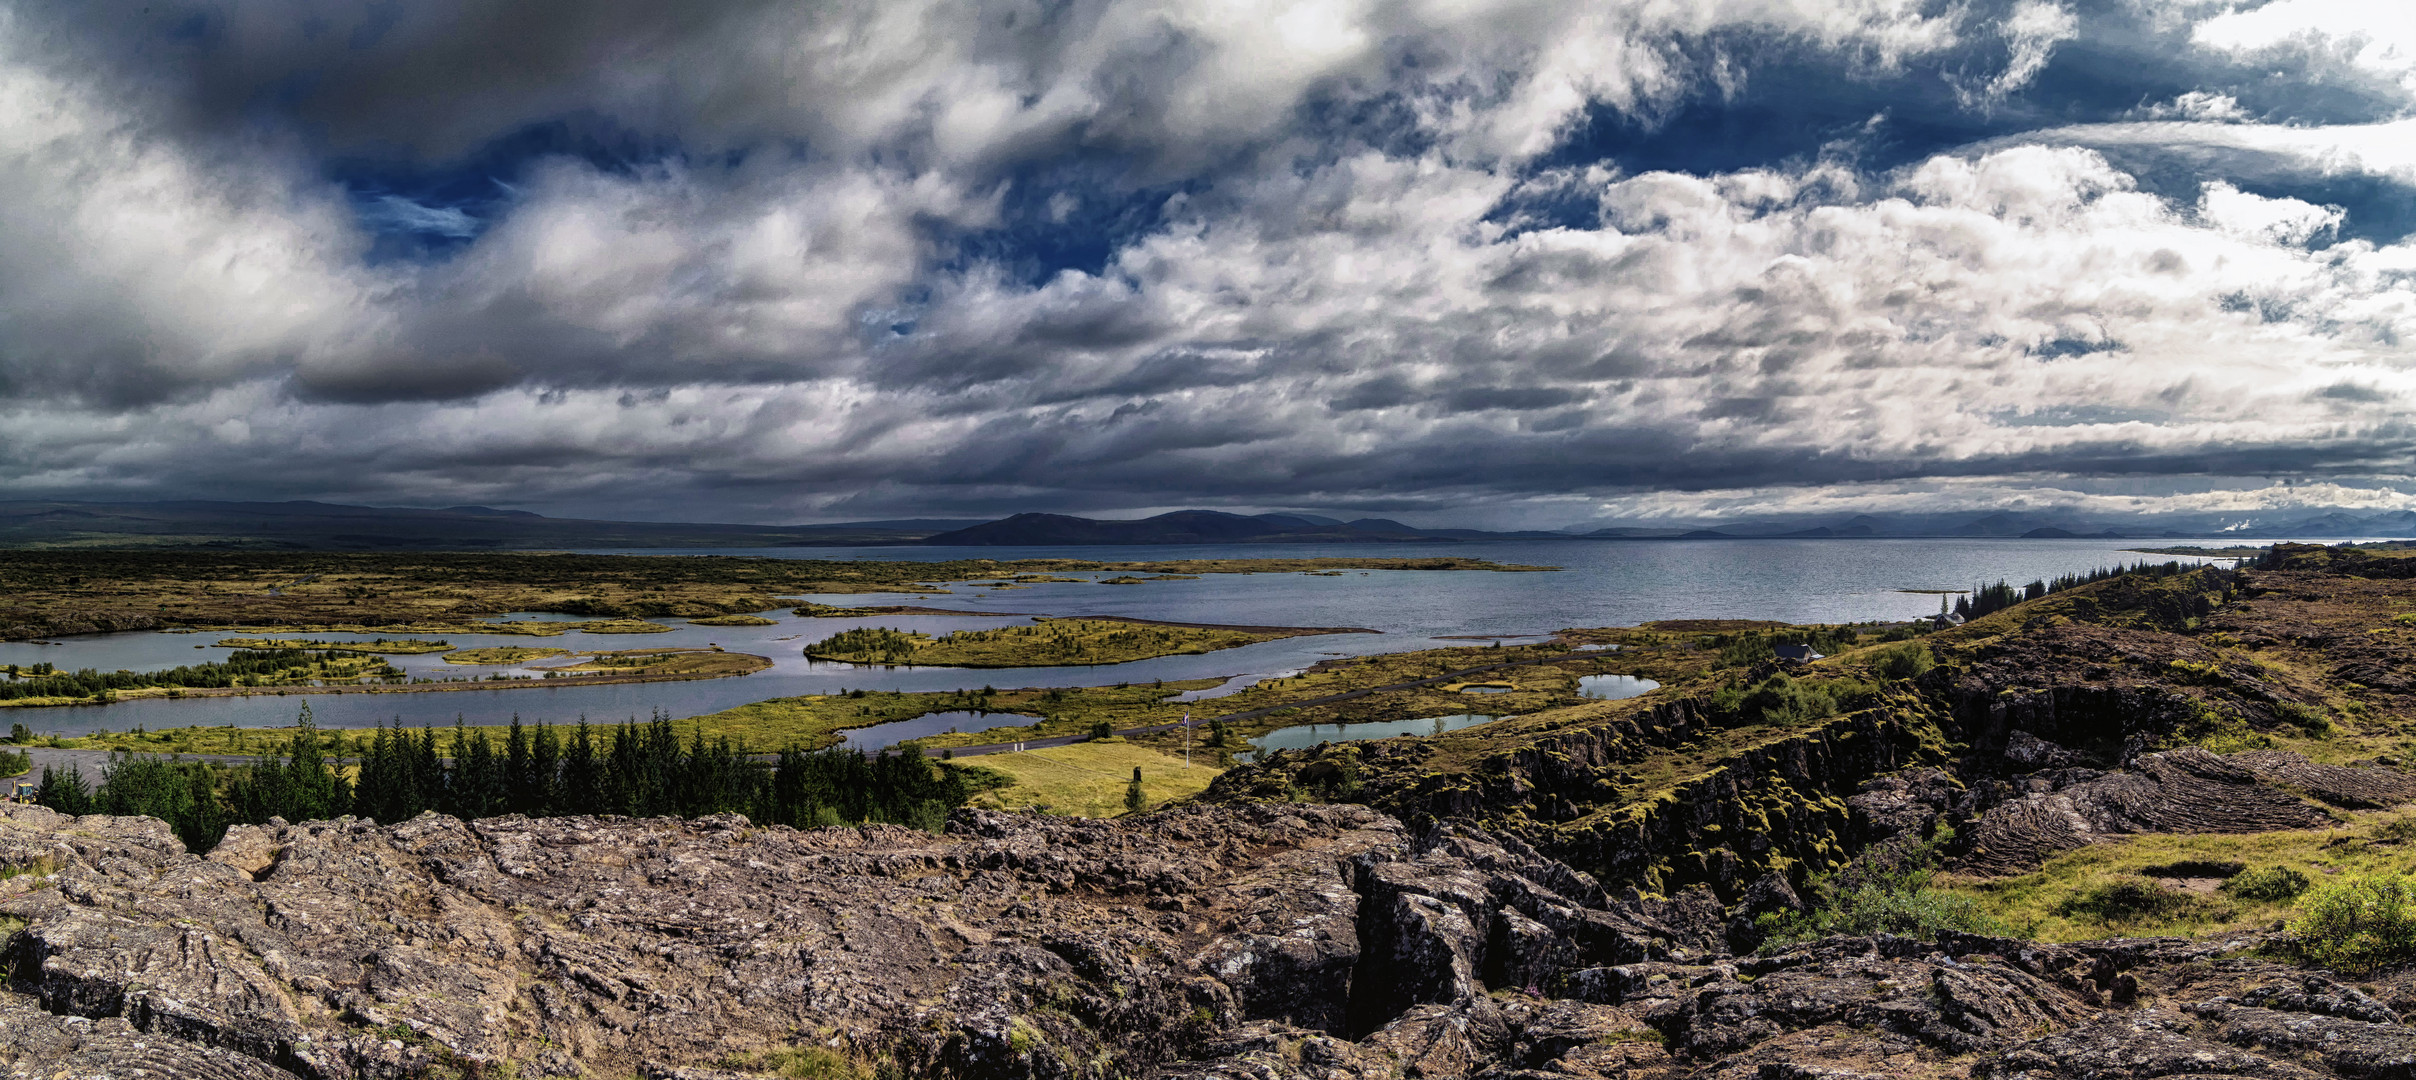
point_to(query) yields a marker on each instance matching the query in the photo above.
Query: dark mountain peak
(1189, 527)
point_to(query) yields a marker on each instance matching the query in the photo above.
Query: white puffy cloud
(785, 316)
(2377, 40)
(136, 261)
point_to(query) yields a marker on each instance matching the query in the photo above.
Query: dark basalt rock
(2182, 791)
(1272, 941)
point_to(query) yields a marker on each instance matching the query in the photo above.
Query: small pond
(1613, 687)
(1485, 689)
(1304, 735)
(883, 736)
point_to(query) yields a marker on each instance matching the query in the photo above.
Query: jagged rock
(2028, 752)
(2323, 997)
(1769, 896)
(2141, 1045)
(2185, 790)
(1909, 802)
(2348, 1047)
(1320, 942)
(2340, 785)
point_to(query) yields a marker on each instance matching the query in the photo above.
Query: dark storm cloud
(935, 254)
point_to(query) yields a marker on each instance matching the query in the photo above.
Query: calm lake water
(1301, 736)
(883, 736)
(1614, 687)
(1604, 583)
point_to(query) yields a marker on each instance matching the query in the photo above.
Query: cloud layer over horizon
(1528, 262)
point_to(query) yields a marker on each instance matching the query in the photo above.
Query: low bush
(2357, 924)
(2271, 884)
(2396, 831)
(2126, 900)
(2314, 721)
(2195, 868)
(1905, 661)
(1884, 890)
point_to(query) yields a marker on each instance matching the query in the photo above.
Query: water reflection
(1613, 687)
(883, 736)
(1299, 736)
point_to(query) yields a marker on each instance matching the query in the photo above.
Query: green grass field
(1089, 779)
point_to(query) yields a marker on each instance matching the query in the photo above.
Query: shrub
(2314, 721)
(2271, 884)
(2197, 868)
(1885, 889)
(1876, 909)
(2396, 831)
(2126, 900)
(1903, 661)
(1775, 700)
(2357, 924)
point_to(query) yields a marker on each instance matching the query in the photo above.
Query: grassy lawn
(1089, 779)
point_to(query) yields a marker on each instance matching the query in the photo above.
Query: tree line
(635, 768)
(241, 667)
(1990, 599)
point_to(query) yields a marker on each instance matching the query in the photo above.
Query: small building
(1796, 654)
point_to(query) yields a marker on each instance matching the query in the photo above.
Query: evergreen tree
(519, 772)
(582, 774)
(545, 773)
(65, 792)
(475, 789)
(380, 789)
(427, 775)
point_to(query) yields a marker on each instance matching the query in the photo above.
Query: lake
(1303, 736)
(1605, 583)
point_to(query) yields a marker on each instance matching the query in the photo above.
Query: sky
(1522, 263)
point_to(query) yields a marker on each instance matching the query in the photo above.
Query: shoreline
(420, 688)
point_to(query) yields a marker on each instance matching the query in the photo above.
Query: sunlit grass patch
(1089, 779)
(2098, 891)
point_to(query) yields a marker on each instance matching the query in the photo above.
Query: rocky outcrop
(1308, 941)
(2178, 791)
(1758, 803)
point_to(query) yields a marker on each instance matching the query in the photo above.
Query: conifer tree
(582, 774)
(545, 772)
(65, 792)
(519, 772)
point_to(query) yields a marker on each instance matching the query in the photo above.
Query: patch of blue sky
(1787, 104)
(431, 210)
(1064, 215)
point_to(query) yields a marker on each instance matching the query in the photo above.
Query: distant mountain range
(330, 526)
(1205, 527)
